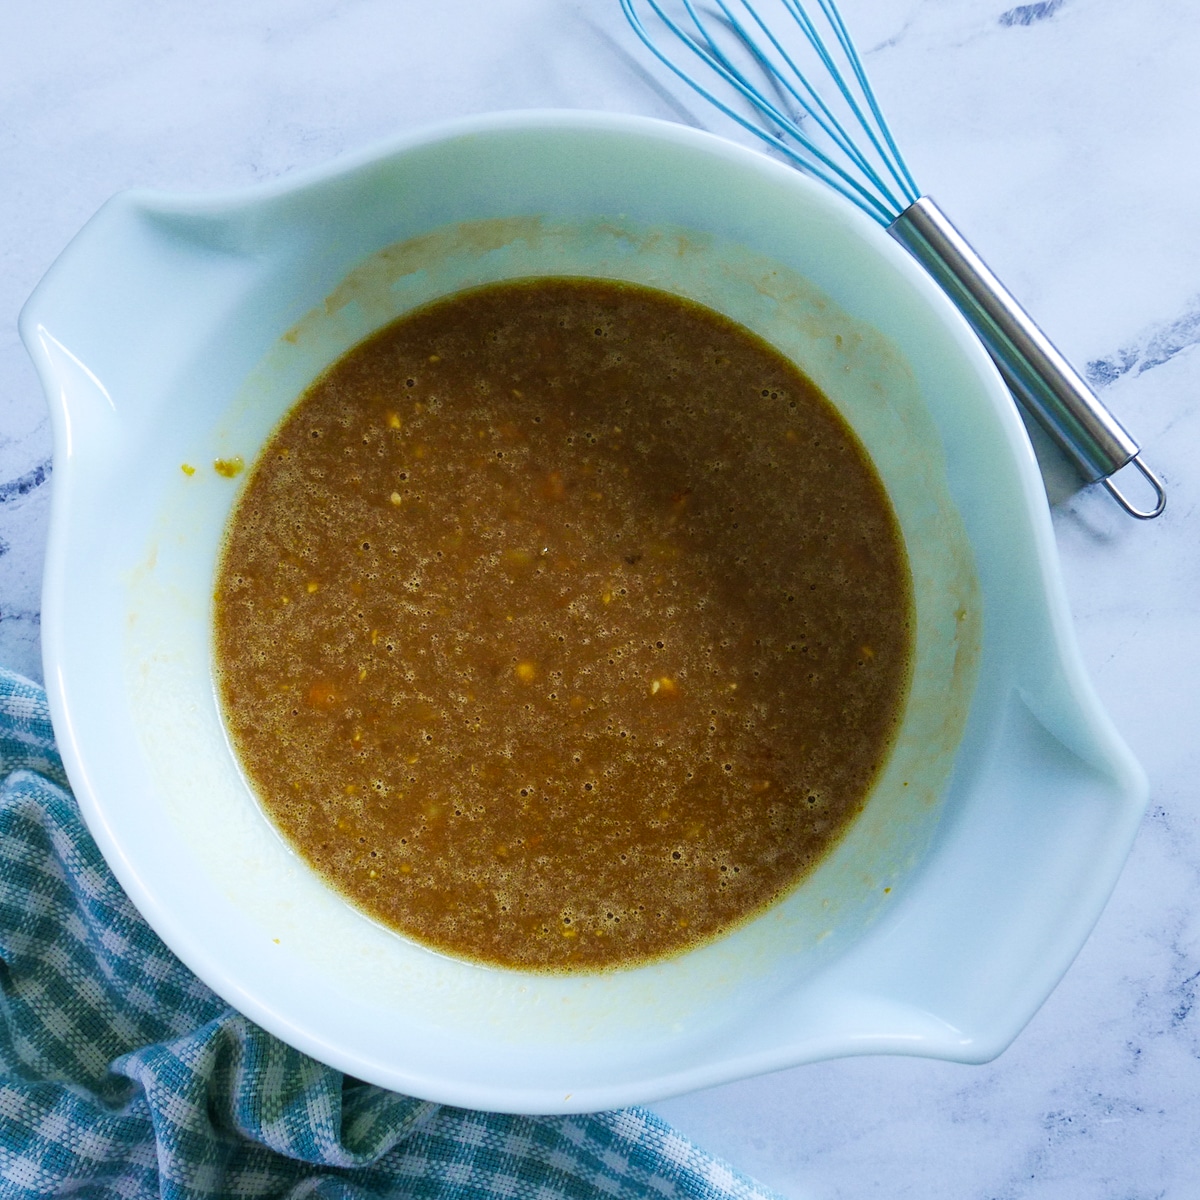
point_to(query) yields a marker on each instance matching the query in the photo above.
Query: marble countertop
(1061, 135)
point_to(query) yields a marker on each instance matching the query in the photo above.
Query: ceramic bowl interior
(180, 329)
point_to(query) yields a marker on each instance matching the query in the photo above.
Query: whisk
(797, 82)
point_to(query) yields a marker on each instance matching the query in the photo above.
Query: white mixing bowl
(178, 329)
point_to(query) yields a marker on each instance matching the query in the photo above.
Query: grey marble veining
(1061, 136)
(1151, 348)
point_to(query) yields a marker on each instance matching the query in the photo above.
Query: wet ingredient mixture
(562, 625)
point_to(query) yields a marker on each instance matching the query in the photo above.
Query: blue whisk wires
(732, 42)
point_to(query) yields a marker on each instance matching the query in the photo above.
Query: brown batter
(562, 624)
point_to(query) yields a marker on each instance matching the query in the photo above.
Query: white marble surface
(1062, 137)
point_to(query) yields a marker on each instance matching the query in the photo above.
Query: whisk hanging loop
(729, 41)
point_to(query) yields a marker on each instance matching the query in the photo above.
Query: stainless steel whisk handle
(1036, 373)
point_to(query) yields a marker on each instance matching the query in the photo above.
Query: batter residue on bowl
(563, 624)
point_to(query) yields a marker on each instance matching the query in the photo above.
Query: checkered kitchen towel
(122, 1075)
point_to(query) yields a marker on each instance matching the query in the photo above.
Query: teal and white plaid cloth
(123, 1076)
